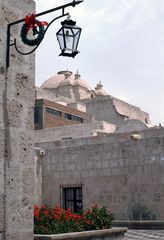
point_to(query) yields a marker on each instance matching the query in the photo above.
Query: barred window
(72, 198)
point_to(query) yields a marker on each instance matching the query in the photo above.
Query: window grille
(72, 198)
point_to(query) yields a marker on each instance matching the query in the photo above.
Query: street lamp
(68, 36)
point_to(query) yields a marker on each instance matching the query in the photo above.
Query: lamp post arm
(73, 4)
(62, 7)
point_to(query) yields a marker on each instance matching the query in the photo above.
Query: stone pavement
(144, 235)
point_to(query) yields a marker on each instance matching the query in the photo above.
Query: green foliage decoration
(36, 40)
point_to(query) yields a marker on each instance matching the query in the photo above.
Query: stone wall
(102, 108)
(113, 110)
(51, 95)
(78, 105)
(131, 125)
(131, 111)
(74, 131)
(16, 129)
(105, 234)
(115, 170)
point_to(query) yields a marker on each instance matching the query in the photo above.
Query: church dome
(64, 78)
(54, 81)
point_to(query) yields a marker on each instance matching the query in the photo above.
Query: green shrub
(100, 218)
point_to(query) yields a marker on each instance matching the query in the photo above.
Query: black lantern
(68, 38)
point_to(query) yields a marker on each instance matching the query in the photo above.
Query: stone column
(17, 93)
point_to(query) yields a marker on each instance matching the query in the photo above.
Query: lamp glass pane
(69, 42)
(68, 38)
(76, 40)
(60, 38)
(67, 32)
(75, 31)
(61, 41)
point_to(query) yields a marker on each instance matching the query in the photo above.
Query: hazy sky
(122, 44)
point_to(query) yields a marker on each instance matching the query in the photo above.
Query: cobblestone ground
(144, 235)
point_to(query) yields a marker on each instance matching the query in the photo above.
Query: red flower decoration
(33, 23)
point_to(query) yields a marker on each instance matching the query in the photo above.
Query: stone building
(68, 93)
(115, 159)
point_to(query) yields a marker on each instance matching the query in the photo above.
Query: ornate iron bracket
(14, 43)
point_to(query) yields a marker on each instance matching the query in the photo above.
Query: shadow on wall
(140, 212)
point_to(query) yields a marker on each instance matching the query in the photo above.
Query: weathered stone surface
(105, 234)
(83, 130)
(1, 212)
(125, 175)
(24, 87)
(16, 129)
(14, 116)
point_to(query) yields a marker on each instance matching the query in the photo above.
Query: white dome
(64, 78)
(52, 82)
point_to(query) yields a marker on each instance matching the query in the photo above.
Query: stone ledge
(151, 225)
(106, 234)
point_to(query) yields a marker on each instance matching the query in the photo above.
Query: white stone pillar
(17, 93)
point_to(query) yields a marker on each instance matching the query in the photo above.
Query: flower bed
(58, 220)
